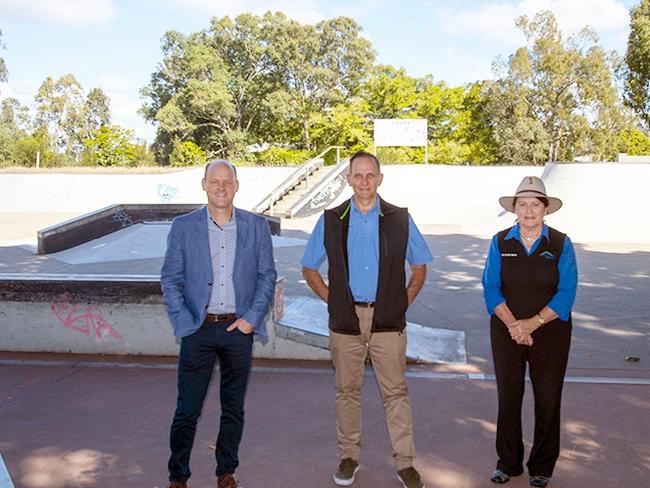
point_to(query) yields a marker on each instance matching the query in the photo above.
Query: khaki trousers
(387, 352)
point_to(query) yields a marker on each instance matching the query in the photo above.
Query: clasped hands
(521, 330)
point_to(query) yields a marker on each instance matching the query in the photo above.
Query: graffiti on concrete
(123, 218)
(81, 319)
(166, 193)
(328, 194)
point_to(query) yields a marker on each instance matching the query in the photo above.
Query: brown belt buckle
(213, 318)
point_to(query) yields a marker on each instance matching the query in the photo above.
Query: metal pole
(38, 159)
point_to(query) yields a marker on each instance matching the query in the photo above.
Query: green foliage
(110, 146)
(449, 151)
(96, 111)
(637, 58)
(390, 93)
(29, 148)
(7, 146)
(553, 100)
(68, 116)
(347, 124)
(474, 127)
(3, 67)
(283, 156)
(253, 79)
(633, 142)
(400, 155)
(187, 153)
(144, 156)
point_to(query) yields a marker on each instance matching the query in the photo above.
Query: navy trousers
(198, 355)
(547, 360)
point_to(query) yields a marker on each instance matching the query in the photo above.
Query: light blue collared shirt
(363, 250)
(562, 301)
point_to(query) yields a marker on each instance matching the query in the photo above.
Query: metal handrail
(293, 179)
(334, 173)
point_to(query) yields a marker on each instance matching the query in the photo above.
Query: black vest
(528, 283)
(391, 301)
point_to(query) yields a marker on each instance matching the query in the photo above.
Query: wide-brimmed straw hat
(531, 186)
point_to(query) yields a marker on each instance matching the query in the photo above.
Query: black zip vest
(391, 301)
(528, 283)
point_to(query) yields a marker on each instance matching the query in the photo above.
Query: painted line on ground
(597, 380)
(602, 380)
(5, 479)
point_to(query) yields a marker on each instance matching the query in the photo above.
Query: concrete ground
(103, 422)
(611, 315)
(74, 422)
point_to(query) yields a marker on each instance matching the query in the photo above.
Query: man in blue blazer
(218, 279)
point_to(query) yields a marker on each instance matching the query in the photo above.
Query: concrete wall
(603, 202)
(82, 193)
(113, 328)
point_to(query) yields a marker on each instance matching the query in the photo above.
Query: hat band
(531, 191)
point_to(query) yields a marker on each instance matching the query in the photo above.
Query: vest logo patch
(509, 254)
(547, 255)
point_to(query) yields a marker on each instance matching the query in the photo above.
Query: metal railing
(302, 173)
(336, 171)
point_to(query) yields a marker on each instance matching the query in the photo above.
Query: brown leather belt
(365, 304)
(213, 318)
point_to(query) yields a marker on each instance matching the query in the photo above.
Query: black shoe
(499, 477)
(540, 481)
(348, 469)
(410, 478)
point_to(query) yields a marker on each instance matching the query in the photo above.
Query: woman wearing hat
(529, 283)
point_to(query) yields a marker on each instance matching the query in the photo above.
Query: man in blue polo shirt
(366, 242)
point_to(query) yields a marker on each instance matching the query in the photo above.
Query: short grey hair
(216, 162)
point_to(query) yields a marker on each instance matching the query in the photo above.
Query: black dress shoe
(539, 480)
(499, 477)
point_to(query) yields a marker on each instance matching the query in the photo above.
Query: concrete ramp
(140, 241)
(305, 321)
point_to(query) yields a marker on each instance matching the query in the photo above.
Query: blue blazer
(187, 271)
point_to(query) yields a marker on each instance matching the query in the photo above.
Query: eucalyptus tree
(68, 115)
(252, 79)
(554, 99)
(3, 66)
(637, 60)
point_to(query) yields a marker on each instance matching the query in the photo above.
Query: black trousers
(547, 360)
(196, 361)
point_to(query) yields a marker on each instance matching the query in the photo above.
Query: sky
(115, 44)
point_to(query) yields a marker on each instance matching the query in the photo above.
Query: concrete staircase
(282, 207)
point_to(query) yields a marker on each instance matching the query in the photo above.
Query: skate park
(89, 407)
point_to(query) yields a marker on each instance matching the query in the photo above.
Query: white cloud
(496, 20)
(21, 89)
(69, 12)
(124, 112)
(464, 67)
(306, 11)
(116, 83)
(493, 21)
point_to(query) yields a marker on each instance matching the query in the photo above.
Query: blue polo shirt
(562, 301)
(363, 250)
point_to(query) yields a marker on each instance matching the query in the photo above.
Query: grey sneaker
(410, 478)
(348, 468)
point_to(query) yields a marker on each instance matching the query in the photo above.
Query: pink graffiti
(76, 318)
